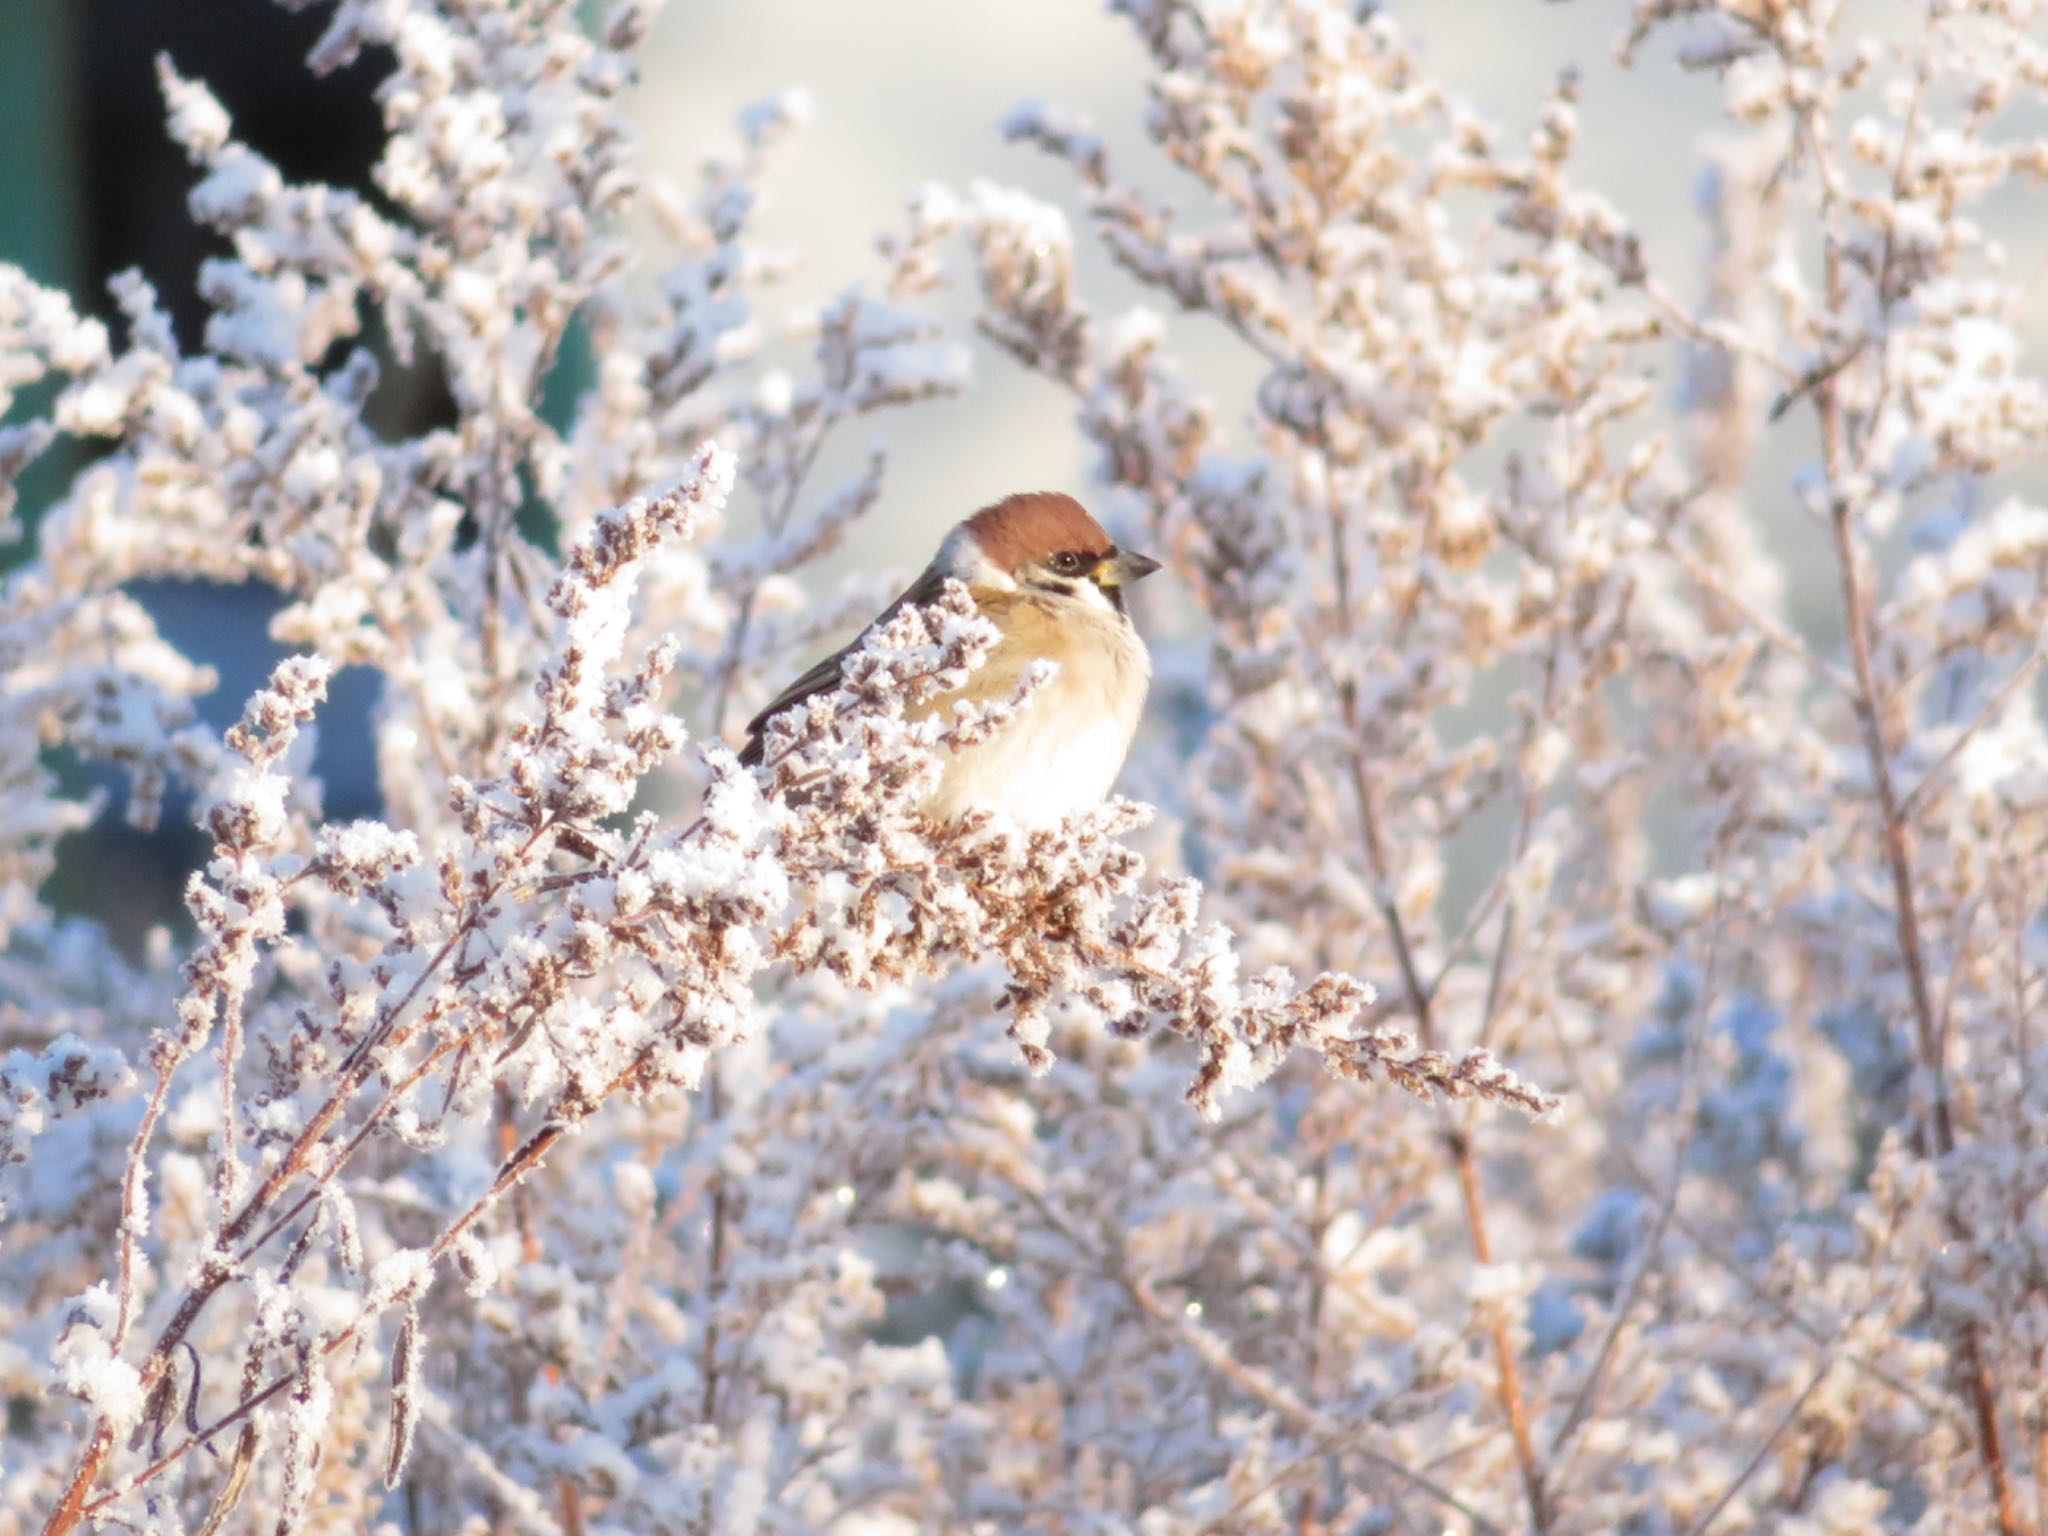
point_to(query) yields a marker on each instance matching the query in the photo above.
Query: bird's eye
(1066, 562)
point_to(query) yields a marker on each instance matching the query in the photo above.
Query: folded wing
(825, 675)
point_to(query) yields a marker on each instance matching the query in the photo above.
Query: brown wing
(825, 675)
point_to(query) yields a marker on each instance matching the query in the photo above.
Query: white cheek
(960, 557)
(1089, 595)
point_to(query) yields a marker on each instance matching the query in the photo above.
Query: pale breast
(1064, 751)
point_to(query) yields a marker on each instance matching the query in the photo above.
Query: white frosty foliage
(803, 1166)
(37, 1089)
(531, 958)
(1459, 485)
(87, 1367)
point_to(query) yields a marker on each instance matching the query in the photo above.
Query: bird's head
(1042, 542)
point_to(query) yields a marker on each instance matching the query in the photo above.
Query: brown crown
(1034, 524)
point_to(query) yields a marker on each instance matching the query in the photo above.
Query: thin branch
(1688, 1125)
(1833, 1342)
(1937, 1137)
(1791, 1414)
(1993, 708)
(1508, 1382)
(1709, 579)
(1256, 1383)
(524, 1161)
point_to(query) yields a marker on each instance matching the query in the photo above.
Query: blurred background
(903, 92)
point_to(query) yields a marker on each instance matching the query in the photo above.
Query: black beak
(1130, 567)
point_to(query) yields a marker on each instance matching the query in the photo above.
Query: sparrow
(1048, 577)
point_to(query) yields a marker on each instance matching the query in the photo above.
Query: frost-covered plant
(1486, 587)
(532, 1158)
(492, 1160)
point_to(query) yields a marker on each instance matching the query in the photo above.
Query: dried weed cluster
(528, 1160)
